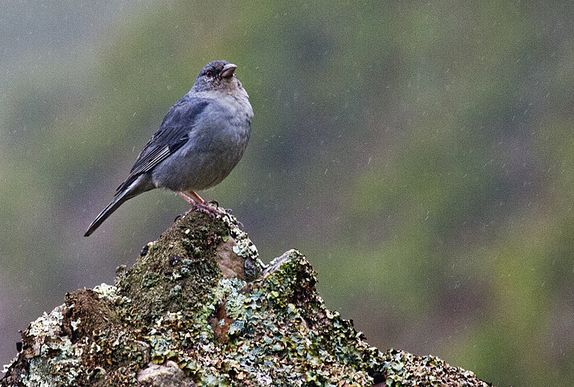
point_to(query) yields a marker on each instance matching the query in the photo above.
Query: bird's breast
(215, 145)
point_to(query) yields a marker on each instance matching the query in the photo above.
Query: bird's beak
(228, 70)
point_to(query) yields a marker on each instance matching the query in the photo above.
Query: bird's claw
(209, 209)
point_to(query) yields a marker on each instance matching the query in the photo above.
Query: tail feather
(117, 201)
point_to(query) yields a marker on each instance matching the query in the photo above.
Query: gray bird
(199, 142)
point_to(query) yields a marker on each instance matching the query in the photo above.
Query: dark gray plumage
(200, 140)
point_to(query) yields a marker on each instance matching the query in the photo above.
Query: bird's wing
(172, 135)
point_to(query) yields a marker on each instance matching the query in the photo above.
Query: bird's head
(217, 75)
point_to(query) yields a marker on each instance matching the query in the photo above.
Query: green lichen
(53, 358)
(199, 306)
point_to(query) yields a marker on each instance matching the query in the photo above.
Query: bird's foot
(221, 209)
(208, 208)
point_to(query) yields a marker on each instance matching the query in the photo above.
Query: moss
(199, 306)
(177, 271)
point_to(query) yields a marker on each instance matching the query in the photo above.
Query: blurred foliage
(421, 154)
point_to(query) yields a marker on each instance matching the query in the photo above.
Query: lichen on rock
(199, 307)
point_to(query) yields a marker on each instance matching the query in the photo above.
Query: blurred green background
(421, 154)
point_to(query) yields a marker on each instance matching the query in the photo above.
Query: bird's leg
(198, 199)
(188, 198)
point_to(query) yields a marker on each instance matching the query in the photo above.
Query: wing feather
(172, 135)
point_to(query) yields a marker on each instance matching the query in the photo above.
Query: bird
(200, 140)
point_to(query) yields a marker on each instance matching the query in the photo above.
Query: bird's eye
(209, 73)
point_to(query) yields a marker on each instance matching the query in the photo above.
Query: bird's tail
(117, 201)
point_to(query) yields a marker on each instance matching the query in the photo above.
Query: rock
(199, 307)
